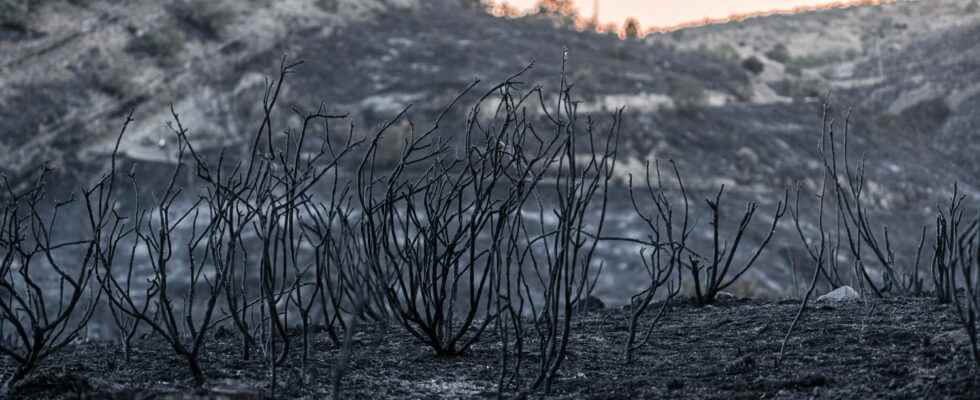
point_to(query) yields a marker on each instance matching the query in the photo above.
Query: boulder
(725, 296)
(841, 294)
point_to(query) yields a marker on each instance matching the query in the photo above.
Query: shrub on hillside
(799, 88)
(926, 116)
(209, 18)
(11, 8)
(18, 14)
(118, 80)
(14, 14)
(563, 12)
(688, 93)
(929, 115)
(817, 60)
(610, 28)
(476, 4)
(619, 51)
(779, 53)
(725, 52)
(631, 29)
(753, 65)
(163, 44)
(330, 6)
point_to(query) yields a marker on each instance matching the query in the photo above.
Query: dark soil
(892, 348)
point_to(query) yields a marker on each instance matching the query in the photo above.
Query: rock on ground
(843, 293)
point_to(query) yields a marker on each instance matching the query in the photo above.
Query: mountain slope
(73, 71)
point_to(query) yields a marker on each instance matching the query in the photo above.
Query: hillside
(70, 70)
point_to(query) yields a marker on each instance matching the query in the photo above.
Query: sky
(664, 13)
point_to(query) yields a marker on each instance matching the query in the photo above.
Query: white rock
(725, 296)
(843, 293)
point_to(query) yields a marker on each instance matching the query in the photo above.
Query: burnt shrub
(753, 65)
(929, 115)
(688, 93)
(779, 53)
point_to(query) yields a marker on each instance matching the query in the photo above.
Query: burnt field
(892, 348)
(188, 209)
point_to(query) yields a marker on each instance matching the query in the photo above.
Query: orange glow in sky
(664, 13)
